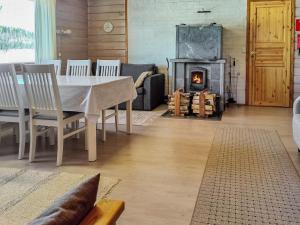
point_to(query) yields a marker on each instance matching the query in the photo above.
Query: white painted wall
(152, 35)
(152, 31)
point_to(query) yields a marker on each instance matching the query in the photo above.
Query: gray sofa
(151, 94)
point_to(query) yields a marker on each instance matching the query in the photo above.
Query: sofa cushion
(135, 70)
(13, 113)
(140, 91)
(72, 207)
(47, 117)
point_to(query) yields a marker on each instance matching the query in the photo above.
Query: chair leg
(22, 135)
(86, 135)
(60, 145)
(33, 132)
(117, 118)
(103, 126)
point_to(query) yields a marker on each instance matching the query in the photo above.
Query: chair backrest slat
(10, 98)
(7, 87)
(56, 63)
(79, 68)
(42, 89)
(108, 68)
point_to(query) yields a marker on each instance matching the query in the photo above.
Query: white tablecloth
(92, 94)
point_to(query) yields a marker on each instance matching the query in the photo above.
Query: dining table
(91, 95)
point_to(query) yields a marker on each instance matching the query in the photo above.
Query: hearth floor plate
(193, 117)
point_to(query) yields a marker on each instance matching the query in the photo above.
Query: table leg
(86, 135)
(129, 116)
(91, 140)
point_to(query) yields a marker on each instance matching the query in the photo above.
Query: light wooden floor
(161, 165)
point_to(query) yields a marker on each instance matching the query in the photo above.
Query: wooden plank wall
(297, 58)
(72, 14)
(103, 45)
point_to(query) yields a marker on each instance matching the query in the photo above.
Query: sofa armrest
(106, 212)
(297, 106)
(154, 87)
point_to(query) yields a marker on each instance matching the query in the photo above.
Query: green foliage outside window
(15, 38)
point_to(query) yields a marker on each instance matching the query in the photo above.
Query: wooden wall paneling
(73, 15)
(105, 2)
(126, 24)
(102, 45)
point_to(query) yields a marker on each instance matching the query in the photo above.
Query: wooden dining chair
(57, 68)
(11, 104)
(45, 107)
(109, 68)
(56, 63)
(79, 68)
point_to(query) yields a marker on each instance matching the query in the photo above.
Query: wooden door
(270, 58)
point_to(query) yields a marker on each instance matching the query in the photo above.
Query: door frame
(292, 49)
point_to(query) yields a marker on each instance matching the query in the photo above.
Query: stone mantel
(220, 61)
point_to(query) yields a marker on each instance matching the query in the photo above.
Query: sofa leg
(298, 149)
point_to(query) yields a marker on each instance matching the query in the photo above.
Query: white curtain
(45, 30)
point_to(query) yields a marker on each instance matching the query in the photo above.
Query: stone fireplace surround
(181, 75)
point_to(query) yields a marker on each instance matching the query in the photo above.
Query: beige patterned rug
(24, 193)
(249, 179)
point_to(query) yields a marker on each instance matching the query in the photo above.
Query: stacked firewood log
(204, 104)
(179, 103)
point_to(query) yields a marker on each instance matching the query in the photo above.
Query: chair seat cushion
(140, 91)
(48, 117)
(12, 113)
(72, 207)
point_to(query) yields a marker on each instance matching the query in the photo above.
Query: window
(16, 31)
